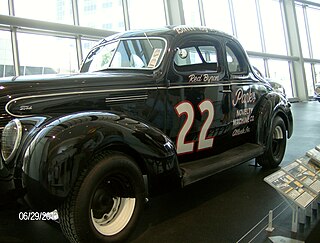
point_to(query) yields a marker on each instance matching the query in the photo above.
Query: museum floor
(232, 206)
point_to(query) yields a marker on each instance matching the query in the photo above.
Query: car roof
(173, 31)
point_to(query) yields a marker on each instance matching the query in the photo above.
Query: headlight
(318, 90)
(11, 138)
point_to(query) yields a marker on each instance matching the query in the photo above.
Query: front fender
(57, 155)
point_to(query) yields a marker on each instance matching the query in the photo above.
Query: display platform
(232, 206)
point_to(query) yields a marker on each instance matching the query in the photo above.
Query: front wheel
(276, 146)
(106, 201)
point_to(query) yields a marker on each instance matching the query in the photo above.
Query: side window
(187, 56)
(235, 59)
(197, 58)
(209, 53)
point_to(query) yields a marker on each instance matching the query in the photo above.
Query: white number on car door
(187, 109)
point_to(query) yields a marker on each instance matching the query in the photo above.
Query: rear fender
(270, 106)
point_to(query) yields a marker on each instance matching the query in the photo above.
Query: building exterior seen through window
(107, 14)
(58, 11)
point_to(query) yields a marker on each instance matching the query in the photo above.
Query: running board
(200, 169)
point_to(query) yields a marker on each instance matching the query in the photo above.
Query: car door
(198, 98)
(246, 91)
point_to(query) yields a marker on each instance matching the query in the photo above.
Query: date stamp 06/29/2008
(38, 216)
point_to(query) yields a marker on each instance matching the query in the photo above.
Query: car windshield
(135, 53)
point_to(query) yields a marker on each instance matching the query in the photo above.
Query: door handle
(226, 91)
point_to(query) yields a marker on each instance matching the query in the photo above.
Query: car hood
(36, 83)
(23, 96)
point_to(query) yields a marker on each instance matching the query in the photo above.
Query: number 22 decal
(186, 108)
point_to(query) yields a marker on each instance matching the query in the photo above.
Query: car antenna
(145, 34)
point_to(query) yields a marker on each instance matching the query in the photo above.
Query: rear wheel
(106, 201)
(276, 146)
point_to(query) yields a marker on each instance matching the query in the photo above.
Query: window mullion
(126, 14)
(261, 31)
(233, 20)
(306, 22)
(14, 41)
(75, 12)
(201, 12)
(76, 21)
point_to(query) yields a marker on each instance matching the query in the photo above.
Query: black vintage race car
(149, 111)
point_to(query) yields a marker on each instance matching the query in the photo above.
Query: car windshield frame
(112, 52)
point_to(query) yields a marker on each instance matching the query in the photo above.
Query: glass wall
(146, 14)
(309, 77)
(279, 71)
(217, 15)
(313, 15)
(106, 14)
(247, 24)
(312, 75)
(302, 31)
(47, 54)
(308, 17)
(273, 27)
(6, 61)
(4, 7)
(317, 73)
(191, 12)
(59, 11)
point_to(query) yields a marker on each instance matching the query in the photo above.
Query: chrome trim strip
(128, 98)
(115, 90)
(206, 85)
(69, 93)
